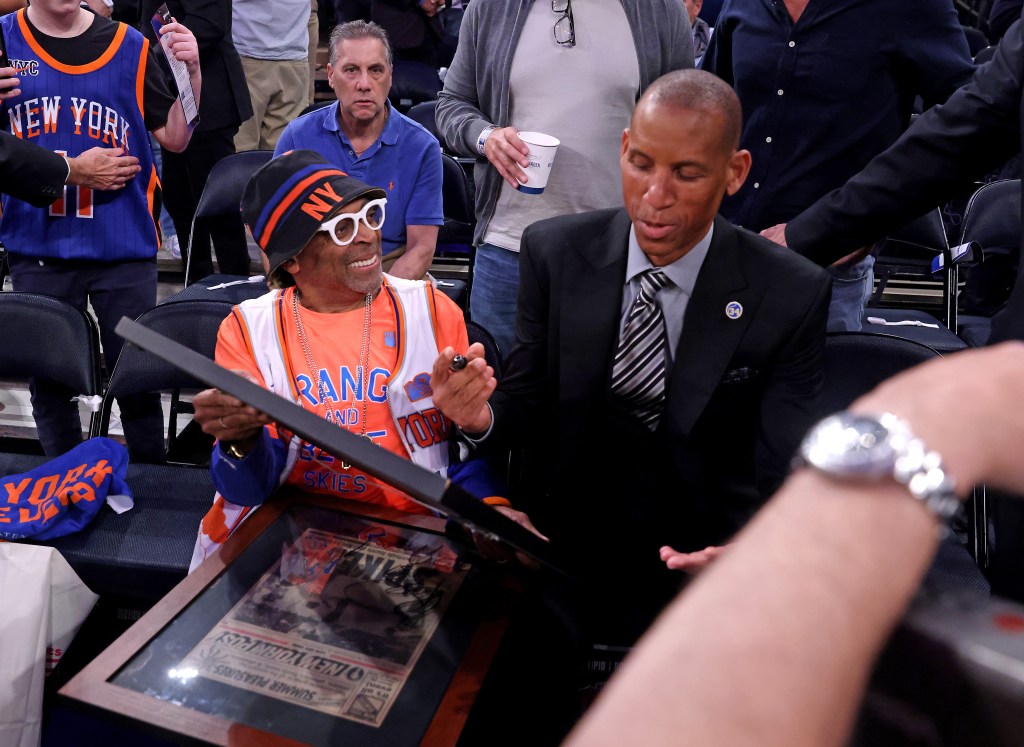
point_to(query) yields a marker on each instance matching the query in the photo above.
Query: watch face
(850, 445)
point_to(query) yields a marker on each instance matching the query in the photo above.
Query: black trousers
(184, 178)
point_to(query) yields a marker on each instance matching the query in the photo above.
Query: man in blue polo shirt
(364, 135)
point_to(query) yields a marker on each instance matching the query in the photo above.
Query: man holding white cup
(573, 73)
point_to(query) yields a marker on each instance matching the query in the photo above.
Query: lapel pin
(734, 309)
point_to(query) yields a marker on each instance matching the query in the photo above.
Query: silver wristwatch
(482, 140)
(859, 447)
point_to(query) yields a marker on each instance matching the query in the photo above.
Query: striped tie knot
(638, 369)
(652, 281)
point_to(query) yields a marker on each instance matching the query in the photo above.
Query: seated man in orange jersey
(337, 337)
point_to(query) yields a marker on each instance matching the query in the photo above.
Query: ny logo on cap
(316, 207)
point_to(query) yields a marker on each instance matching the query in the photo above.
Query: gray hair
(359, 30)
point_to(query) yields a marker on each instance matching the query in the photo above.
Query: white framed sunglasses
(343, 228)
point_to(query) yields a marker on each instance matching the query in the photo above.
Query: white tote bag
(43, 603)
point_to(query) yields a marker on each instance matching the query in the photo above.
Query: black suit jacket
(29, 172)
(407, 26)
(941, 154)
(224, 101)
(741, 394)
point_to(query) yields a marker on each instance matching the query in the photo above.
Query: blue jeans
(851, 289)
(492, 303)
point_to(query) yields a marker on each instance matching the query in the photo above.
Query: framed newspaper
(319, 622)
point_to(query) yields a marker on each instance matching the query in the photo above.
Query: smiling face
(361, 79)
(676, 168)
(342, 274)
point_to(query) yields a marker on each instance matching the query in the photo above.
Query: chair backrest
(984, 55)
(992, 216)
(411, 83)
(926, 233)
(857, 362)
(976, 39)
(314, 106)
(492, 353)
(190, 323)
(222, 197)
(457, 199)
(222, 194)
(50, 339)
(456, 235)
(425, 113)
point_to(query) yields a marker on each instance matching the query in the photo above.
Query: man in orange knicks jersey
(83, 82)
(337, 337)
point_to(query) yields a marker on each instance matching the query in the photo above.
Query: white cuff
(480, 439)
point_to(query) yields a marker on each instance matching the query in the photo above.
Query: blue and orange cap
(288, 198)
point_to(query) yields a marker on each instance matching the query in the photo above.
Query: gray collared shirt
(673, 298)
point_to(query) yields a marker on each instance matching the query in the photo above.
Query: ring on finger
(222, 423)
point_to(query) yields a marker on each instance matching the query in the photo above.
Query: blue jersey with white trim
(70, 109)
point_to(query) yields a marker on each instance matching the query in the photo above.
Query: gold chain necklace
(364, 357)
(361, 152)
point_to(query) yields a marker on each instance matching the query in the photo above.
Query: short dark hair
(280, 279)
(697, 90)
(359, 30)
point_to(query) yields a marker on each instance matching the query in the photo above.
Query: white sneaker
(172, 247)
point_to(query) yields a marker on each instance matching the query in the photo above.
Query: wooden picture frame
(130, 678)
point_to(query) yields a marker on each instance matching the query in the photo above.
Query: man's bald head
(698, 91)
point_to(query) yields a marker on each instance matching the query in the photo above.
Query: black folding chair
(49, 339)
(412, 83)
(492, 353)
(424, 113)
(918, 250)
(222, 195)
(455, 238)
(857, 362)
(992, 219)
(143, 553)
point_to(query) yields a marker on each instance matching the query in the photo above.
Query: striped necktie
(638, 370)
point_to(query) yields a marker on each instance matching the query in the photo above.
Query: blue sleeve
(426, 202)
(249, 481)
(285, 142)
(477, 477)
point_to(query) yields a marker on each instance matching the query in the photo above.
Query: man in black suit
(414, 29)
(37, 175)
(744, 325)
(224, 107)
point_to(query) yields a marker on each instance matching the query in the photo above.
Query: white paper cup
(542, 155)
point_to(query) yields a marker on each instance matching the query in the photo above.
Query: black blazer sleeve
(945, 149)
(29, 172)
(224, 101)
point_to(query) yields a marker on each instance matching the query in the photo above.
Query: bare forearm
(175, 134)
(414, 264)
(421, 240)
(738, 636)
(772, 645)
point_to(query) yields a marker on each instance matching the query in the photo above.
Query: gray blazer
(476, 89)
